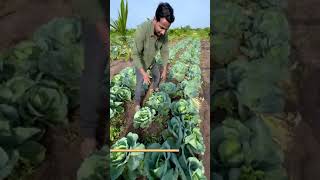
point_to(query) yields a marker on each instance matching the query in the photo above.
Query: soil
(153, 130)
(205, 105)
(63, 152)
(117, 66)
(20, 18)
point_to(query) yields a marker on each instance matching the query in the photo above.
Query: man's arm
(137, 52)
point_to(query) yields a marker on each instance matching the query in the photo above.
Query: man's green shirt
(146, 45)
(89, 10)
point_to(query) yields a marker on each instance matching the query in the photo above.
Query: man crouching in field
(151, 36)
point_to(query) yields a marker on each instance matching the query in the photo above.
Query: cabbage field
(169, 119)
(175, 108)
(39, 96)
(251, 83)
(254, 100)
(39, 87)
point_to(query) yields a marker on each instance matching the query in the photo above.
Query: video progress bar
(145, 150)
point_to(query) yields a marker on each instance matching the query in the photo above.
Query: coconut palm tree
(120, 25)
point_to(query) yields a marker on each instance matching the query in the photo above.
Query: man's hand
(146, 77)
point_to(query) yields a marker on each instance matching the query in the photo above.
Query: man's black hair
(164, 10)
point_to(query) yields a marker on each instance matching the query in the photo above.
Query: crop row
(178, 102)
(251, 55)
(39, 84)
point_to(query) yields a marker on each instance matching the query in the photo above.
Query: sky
(195, 13)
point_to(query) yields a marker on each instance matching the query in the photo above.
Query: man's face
(161, 27)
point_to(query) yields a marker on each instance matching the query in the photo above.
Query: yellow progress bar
(144, 150)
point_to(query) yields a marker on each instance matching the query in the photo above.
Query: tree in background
(120, 25)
